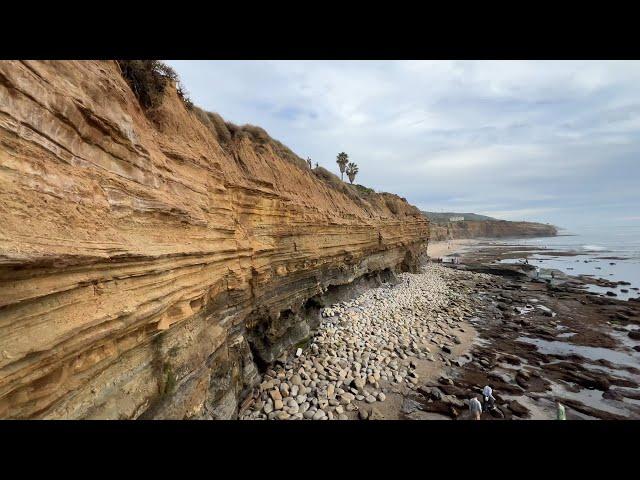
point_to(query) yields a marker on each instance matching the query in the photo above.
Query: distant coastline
(469, 229)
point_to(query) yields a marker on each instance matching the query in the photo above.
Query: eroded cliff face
(490, 229)
(147, 268)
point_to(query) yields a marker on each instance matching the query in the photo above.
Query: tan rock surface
(138, 257)
(490, 229)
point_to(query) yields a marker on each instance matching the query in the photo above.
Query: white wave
(594, 248)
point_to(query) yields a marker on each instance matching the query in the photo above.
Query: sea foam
(594, 248)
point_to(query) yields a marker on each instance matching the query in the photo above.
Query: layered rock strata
(490, 229)
(148, 266)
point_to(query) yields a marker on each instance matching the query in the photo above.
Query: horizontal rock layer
(490, 229)
(147, 268)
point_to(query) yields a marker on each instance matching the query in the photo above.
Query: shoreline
(535, 342)
(551, 340)
(443, 248)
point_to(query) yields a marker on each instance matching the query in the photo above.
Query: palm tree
(352, 171)
(342, 161)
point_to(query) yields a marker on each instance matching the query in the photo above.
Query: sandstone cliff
(149, 266)
(490, 229)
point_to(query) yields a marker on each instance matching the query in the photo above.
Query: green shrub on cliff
(335, 182)
(169, 383)
(148, 80)
(364, 190)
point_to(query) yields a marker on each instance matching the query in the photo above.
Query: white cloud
(520, 214)
(551, 139)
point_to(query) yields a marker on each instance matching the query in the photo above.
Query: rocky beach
(421, 345)
(371, 352)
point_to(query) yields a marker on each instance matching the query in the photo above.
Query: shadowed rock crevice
(272, 336)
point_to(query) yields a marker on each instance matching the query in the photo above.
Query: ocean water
(594, 248)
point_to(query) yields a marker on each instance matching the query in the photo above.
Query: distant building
(456, 219)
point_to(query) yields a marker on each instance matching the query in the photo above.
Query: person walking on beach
(488, 399)
(562, 415)
(475, 408)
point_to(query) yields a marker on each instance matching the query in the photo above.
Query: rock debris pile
(361, 347)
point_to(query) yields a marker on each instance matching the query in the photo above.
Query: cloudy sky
(552, 141)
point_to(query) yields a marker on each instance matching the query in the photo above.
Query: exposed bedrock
(490, 229)
(150, 264)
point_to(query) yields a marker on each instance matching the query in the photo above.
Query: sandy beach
(442, 248)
